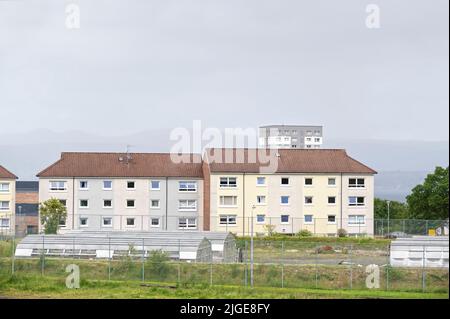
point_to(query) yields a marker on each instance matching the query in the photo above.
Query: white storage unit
(420, 251)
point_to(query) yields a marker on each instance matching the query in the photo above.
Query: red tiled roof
(285, 160)
(4, 173)
(116, 165)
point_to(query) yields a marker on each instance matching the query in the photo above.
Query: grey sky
(143, 64)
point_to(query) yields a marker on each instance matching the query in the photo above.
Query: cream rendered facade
(284, 208)
(7, 208)
(145, 214)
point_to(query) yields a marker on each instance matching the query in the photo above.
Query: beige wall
(10, 197)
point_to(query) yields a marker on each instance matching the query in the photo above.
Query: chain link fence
(282, 264)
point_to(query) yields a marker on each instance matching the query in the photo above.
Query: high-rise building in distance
(291, 136)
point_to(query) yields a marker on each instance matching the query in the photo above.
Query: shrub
(270, 229)
(304, 233)
(342, 233)
(158, 264)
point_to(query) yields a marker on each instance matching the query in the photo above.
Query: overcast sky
(136, 65)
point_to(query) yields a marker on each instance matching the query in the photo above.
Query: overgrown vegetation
(52, 213)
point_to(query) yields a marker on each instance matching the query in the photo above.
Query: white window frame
(228, 185)
(356, 204)
(108, 207)
(288, 221)
(260, 222)
(83, 188)
(187, 222)
(5, 208)
(257, 181)
(331, 223)
(288, 200)
(187, 207)
(335, 181)
(285, 185)
(188, 188)
(155, 200)
(228, 217)
(357, 221)
(222, 201)
(308, 185)
(308, 204)
(103, 222)
(357, 185)
(8, 223)
(133, 188)
(155, 218)
(106, 188)
(130, 207)
(155, 189)
(58, 188)
(308, 222)
(335, 200)
(87, 222)
(6, 190)
(259, 202)
(126, 222)
(83, 207)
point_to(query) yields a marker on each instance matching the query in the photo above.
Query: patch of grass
(25, 286)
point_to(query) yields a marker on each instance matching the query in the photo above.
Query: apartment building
(318, 190)
(132, 192)
(7, 202)
(291, 136)
(27, 208)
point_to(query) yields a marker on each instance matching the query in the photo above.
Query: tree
(430, 199)
(397, 210)
(52, 212)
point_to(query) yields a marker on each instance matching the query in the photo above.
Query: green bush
(304, 233)
(342, 233)
(158, 264)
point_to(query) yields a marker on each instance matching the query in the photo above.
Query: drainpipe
(73, 203)
(243, 204)
(342, 203)
(167, 201)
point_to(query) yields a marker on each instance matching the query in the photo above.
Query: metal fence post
(13, 255)
(179, 272)
(316, 265)
(109, 258)
(388, 266)
(43, 256)
(246, 265)
(143, 259)
(282, 264)
(211, 273)
(424, 274)
(351, 266)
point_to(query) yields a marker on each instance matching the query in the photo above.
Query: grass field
(49, 287)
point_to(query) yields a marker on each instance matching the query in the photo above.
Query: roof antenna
(129, 157)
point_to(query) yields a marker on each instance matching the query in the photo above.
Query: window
(331, 181)
(308, 139)
(107, 221)
(84, 203)
(62, 222)
(107, 185)
(187, 204)
(155, 185)
(4, 205)
(331, 200)
(83, 221)
(309, 219)
(356, 201)
(84, 185)
(63, 202)
(261, 199)
(130, 203)
(308, 181)
(107, 203)
(285, 181)
(285, 219)
(331, 219)
(308, 200)
(356, 183)
(308, 146)
(356, 219)
(187, 223)
(284, 200)
(4, 187)
(58, 186)
(227, 219)
(228, 201)
(4, 222)
(154, 222)
(228, 182)
(260, 181)
(130, 222)
(154, 203)
(260, 219)
(317, 139)
(187, 186)
(131, 185)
